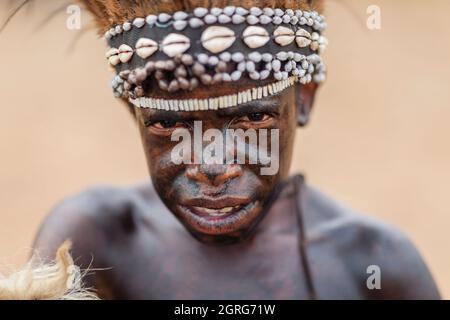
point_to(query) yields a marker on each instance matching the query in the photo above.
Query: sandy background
(379, 140)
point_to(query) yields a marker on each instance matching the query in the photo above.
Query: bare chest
(265, 269)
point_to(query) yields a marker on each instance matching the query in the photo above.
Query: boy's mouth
(219, 215)
(216, 213)
(214, 208)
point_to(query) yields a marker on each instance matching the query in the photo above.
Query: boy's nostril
(213, 174)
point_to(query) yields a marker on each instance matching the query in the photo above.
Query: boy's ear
(304, 101)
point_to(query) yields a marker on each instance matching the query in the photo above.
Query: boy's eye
(165, 127)
(255, 120)
(165, 124)
(257, 117)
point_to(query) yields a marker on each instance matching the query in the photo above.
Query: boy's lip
(216, 209)
(216, 203)
(221, 215)
(219, 212)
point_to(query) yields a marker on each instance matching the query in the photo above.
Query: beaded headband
(213, 46)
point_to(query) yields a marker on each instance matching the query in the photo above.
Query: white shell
(180, 25)
(114, 60)
(111, 52)
(146, 47)
(126, 26)
(265, 19)
(323, 40)
(284, 36)
(195, 23)
(125, 53)
(180, 15)
(229, 11)
(255, 11)
(255, 37)
(303, 38)
(323, 43)
(175, 44)
(139, 22)
(314, 46)
(241, 11)
(302, 42)
(210, 19)
(268, 12)
(303, 33)
(113, 56)
(223, 19)
(200, 12)
(237, 19)
(217, 39)
(215, 11)
(252, 20)
(151, 19)
(164, 17)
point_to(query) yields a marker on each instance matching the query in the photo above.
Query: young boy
(221, 220)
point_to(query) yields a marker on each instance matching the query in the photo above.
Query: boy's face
(218, 202)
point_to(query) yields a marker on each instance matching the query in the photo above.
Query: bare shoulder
(93, 219)
(363, 245)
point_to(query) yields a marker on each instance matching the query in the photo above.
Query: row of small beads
(236, 15)
(222, 102)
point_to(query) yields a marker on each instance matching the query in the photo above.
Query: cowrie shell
(217, 39)
(200, 12)
(180, 15)
(164, 17)
(111, 52)
(146, 47)
(113, 56)
(139, 22)
(195, 23)
(237, 19)
(180, 25)
(175, 44)
(314, 46)
(114, 60)
(125, 53)
(284, 36)
(315, 36)
(303, 38)
(255, 37)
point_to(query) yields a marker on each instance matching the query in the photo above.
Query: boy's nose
(213, 174)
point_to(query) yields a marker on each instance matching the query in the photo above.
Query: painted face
(217, 202)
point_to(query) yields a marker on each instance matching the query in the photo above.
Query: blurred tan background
(379, 139)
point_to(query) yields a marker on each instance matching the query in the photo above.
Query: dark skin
(159, 243)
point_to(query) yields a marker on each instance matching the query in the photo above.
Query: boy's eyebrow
(152, 114)
(265, 105)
